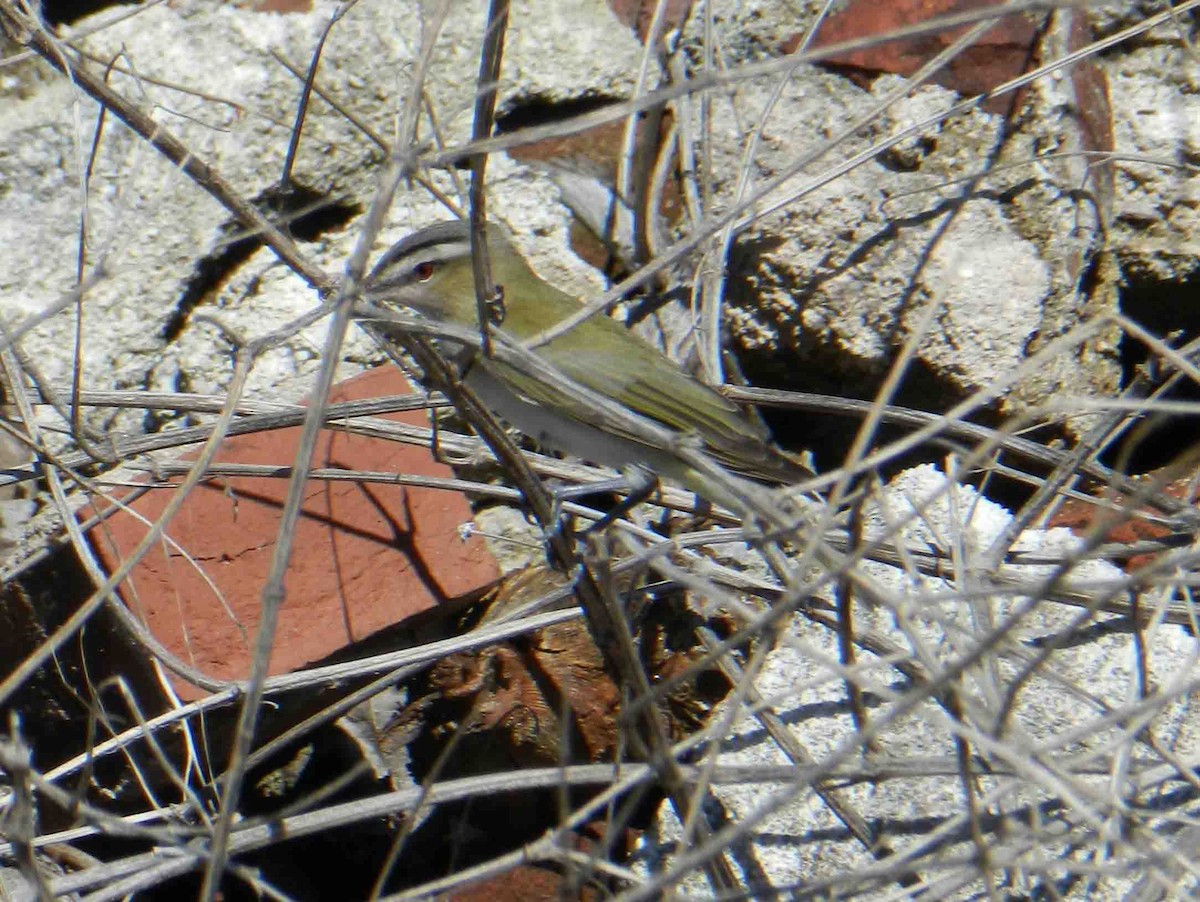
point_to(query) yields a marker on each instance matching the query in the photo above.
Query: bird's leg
(641, 484)
(560, 492)
(558, 528)
(461, 360)
(569, 492)
(636, 482)
(562, 529)
(435, 435)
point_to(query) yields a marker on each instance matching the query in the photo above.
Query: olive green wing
(622, 367)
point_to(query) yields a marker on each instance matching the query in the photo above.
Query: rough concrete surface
(843, 271)
(980, 241)
(153, 230)
(835, 277)
(1059, 718)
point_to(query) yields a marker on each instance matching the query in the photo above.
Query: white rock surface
(152, 228)
(1060, 718)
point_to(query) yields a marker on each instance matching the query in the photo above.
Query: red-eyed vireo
(431, 272)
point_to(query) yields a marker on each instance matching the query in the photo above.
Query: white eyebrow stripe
(400, 270)
(439, 253)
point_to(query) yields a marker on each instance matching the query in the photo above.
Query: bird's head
(431, 271)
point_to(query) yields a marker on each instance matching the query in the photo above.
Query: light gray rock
(154, 231)
(1044, 722)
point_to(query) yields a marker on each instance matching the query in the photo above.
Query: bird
(430, 271)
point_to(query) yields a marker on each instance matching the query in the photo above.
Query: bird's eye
(423, 271)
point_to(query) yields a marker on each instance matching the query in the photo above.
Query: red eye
(423, 272)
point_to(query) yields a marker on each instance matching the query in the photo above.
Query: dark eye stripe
(447, 241)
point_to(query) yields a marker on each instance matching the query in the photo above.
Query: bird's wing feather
(656, 388)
